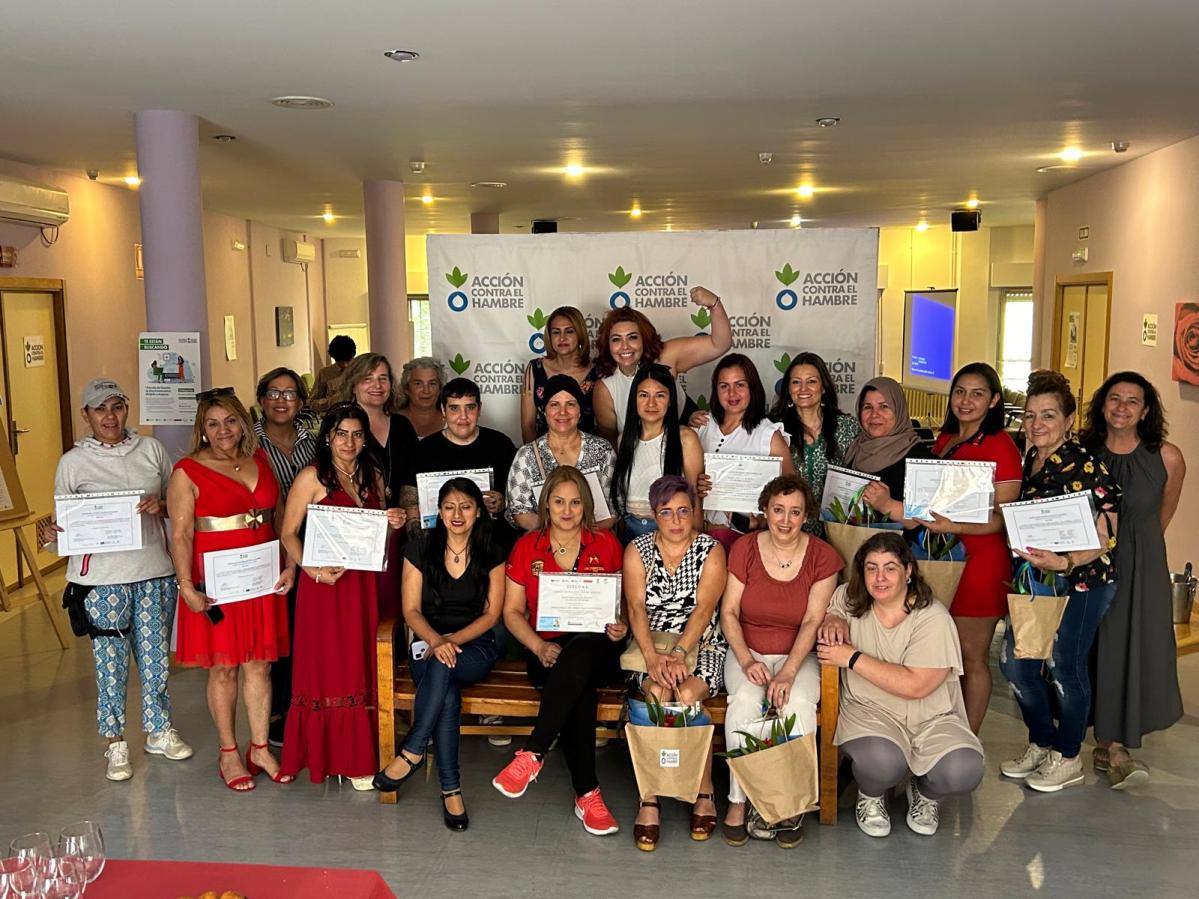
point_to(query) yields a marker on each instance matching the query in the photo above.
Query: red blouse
(600, 553)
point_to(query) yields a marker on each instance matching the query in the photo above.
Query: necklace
(563, 548)
(775, 552)
(457, 553)
(236, 466)
(672, 564)
(348, 474)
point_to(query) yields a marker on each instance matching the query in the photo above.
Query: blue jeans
(1068, 670)
(437, 707)
(635, 526)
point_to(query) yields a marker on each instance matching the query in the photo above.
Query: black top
(586, 412)
(398, 456)
(461, 600)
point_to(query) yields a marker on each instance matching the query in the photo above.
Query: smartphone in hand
(215, 614)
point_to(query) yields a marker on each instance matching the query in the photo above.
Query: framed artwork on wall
(1186, 343)
(285, 326)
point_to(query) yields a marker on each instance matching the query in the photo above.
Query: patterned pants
(145, 610)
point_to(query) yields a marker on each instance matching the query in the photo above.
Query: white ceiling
(670, 101)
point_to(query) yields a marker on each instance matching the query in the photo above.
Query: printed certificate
(231, 575)
(1058, 523)
(96, 523)
(956, 489)
(577, 603)
(845, 486)
(737, 480)
(345, 537)
(428, 485)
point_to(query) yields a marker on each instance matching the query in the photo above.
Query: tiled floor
(1003, 840)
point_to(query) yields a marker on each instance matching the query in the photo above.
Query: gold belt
(253, 519)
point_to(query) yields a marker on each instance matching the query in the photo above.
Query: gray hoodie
(137, 463)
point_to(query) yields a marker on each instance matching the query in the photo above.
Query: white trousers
(746, 698)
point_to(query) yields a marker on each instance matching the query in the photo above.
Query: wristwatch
(679, 649)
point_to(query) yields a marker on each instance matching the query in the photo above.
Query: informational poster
(230, 339)
(1073, 325)
(168, 375)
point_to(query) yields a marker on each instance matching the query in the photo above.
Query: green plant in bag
(664, 717)
(780, 733)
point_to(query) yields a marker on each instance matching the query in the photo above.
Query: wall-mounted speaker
(545, 226)
(965, 220)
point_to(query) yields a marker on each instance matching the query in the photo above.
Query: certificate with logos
(1059, 524)
(232, 575)
(960, 490)
(737, 480)
(345, 537)
(577, 603)
(94, 523)
(428, 485)
(844, 487)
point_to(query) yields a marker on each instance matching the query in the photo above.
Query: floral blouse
(1070, 470)
(534, 462)
(811, 462)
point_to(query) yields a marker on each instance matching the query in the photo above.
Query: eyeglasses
(290, 395)
(205, 395)
(682, 513)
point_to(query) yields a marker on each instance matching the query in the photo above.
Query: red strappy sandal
(236, 783)
(279, 777)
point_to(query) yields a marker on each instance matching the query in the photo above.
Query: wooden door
(1081, 323)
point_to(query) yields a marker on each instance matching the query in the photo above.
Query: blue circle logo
(459, 301)
(537, 343)
(786, 300)
(615, 301)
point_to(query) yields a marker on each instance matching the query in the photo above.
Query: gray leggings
(878, 765)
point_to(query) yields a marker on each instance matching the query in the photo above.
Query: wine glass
(66, 878)
(23, 876)
(31, 845)
(84, 840)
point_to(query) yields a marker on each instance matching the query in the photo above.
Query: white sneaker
(363, 784)
(118, 761)
(496, 739)
(924, 814)
(1020, 768)
(871, 812)
(1056, 773)
(169, 743)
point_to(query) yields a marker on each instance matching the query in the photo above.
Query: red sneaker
(590, 809)
(518, 774)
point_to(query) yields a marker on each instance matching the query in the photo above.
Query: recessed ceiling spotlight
(328, 217)
(635, 212)
(805, 191)
(972, 203)
(402, 55)
(574, 170)
(765, 158)
(828, 121)
(224, 138)
(298, 102)
(922, 227)
(494, 185)
(427, 199)
(1120, 146)
(133, 180)
(1070, 154)
(416, 166)
(796, 221)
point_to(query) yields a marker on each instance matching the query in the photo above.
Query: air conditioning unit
(298, 251)
(27, 203)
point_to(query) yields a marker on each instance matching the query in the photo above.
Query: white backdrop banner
(785, 291)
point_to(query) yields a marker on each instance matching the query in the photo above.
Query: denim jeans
(635, 526)
(437, 707)
(1068, 671)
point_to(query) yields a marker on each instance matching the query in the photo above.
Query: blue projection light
(931, 353)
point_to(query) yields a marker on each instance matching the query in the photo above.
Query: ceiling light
(1070, 154)
(972, 203)
(796, 221)
(765, 158)
(574, 170)
(300, 102)
(133, 180)
(805, 191)
(402, 55)
(828, 121)
(1045, 169)
(1120, 146)
(635, 212)
(427, 199)
(224, 138)
(922, 227)
(328, 217)
(494, 185)
(416, 166)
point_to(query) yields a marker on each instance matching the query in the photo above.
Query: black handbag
(81, 625)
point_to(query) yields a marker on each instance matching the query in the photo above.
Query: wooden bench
(506, 691)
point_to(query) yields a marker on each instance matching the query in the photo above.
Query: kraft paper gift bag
(1034, 620)
(847, 538)
(669, 761)
(783, 781)
(943, 577)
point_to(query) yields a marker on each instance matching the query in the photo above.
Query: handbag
(664, 641)
(81, 625)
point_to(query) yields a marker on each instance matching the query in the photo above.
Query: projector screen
(929, 327)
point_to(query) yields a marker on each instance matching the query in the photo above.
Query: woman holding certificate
(331, 724)
(568, 667)
(1136, 675)
(563, 444)
(778, 588)
(223, 496)
(1054, 466)
(652, 444)
(738, 425)
(129, 594)
(973, 432)
(673, 578)
(453, 596)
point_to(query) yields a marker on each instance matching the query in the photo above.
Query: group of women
(744, 604)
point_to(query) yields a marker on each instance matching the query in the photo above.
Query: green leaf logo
(783, 362)
(456, 277)
(537, 319)
(620, 277)
(701, 402)
(787, 276)
(458, 364)
(702, 319)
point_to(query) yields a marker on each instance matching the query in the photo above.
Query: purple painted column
(172, 237)
(386, 271)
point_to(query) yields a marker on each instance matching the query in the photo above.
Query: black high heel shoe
(385, 784)
(454, 822)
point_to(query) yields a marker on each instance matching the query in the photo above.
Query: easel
(24, 549)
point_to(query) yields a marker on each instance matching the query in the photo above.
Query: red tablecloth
(125, 879)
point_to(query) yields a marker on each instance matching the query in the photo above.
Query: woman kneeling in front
(901, 702)
(569, 668)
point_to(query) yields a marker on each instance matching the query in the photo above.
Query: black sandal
(454, 822)
(385, 784)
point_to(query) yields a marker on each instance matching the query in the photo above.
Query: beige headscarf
(873, 454)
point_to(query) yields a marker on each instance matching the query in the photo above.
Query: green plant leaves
(702, 319)
(456, 278)
(783, 363)
(458, 364)
(787, 276)
(537, 319)
(701, 403)
(620, 277)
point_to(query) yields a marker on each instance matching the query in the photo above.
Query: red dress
(983, 590)
(253, 629)
(331, 727)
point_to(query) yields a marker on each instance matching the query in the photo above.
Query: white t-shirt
(740, 441)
